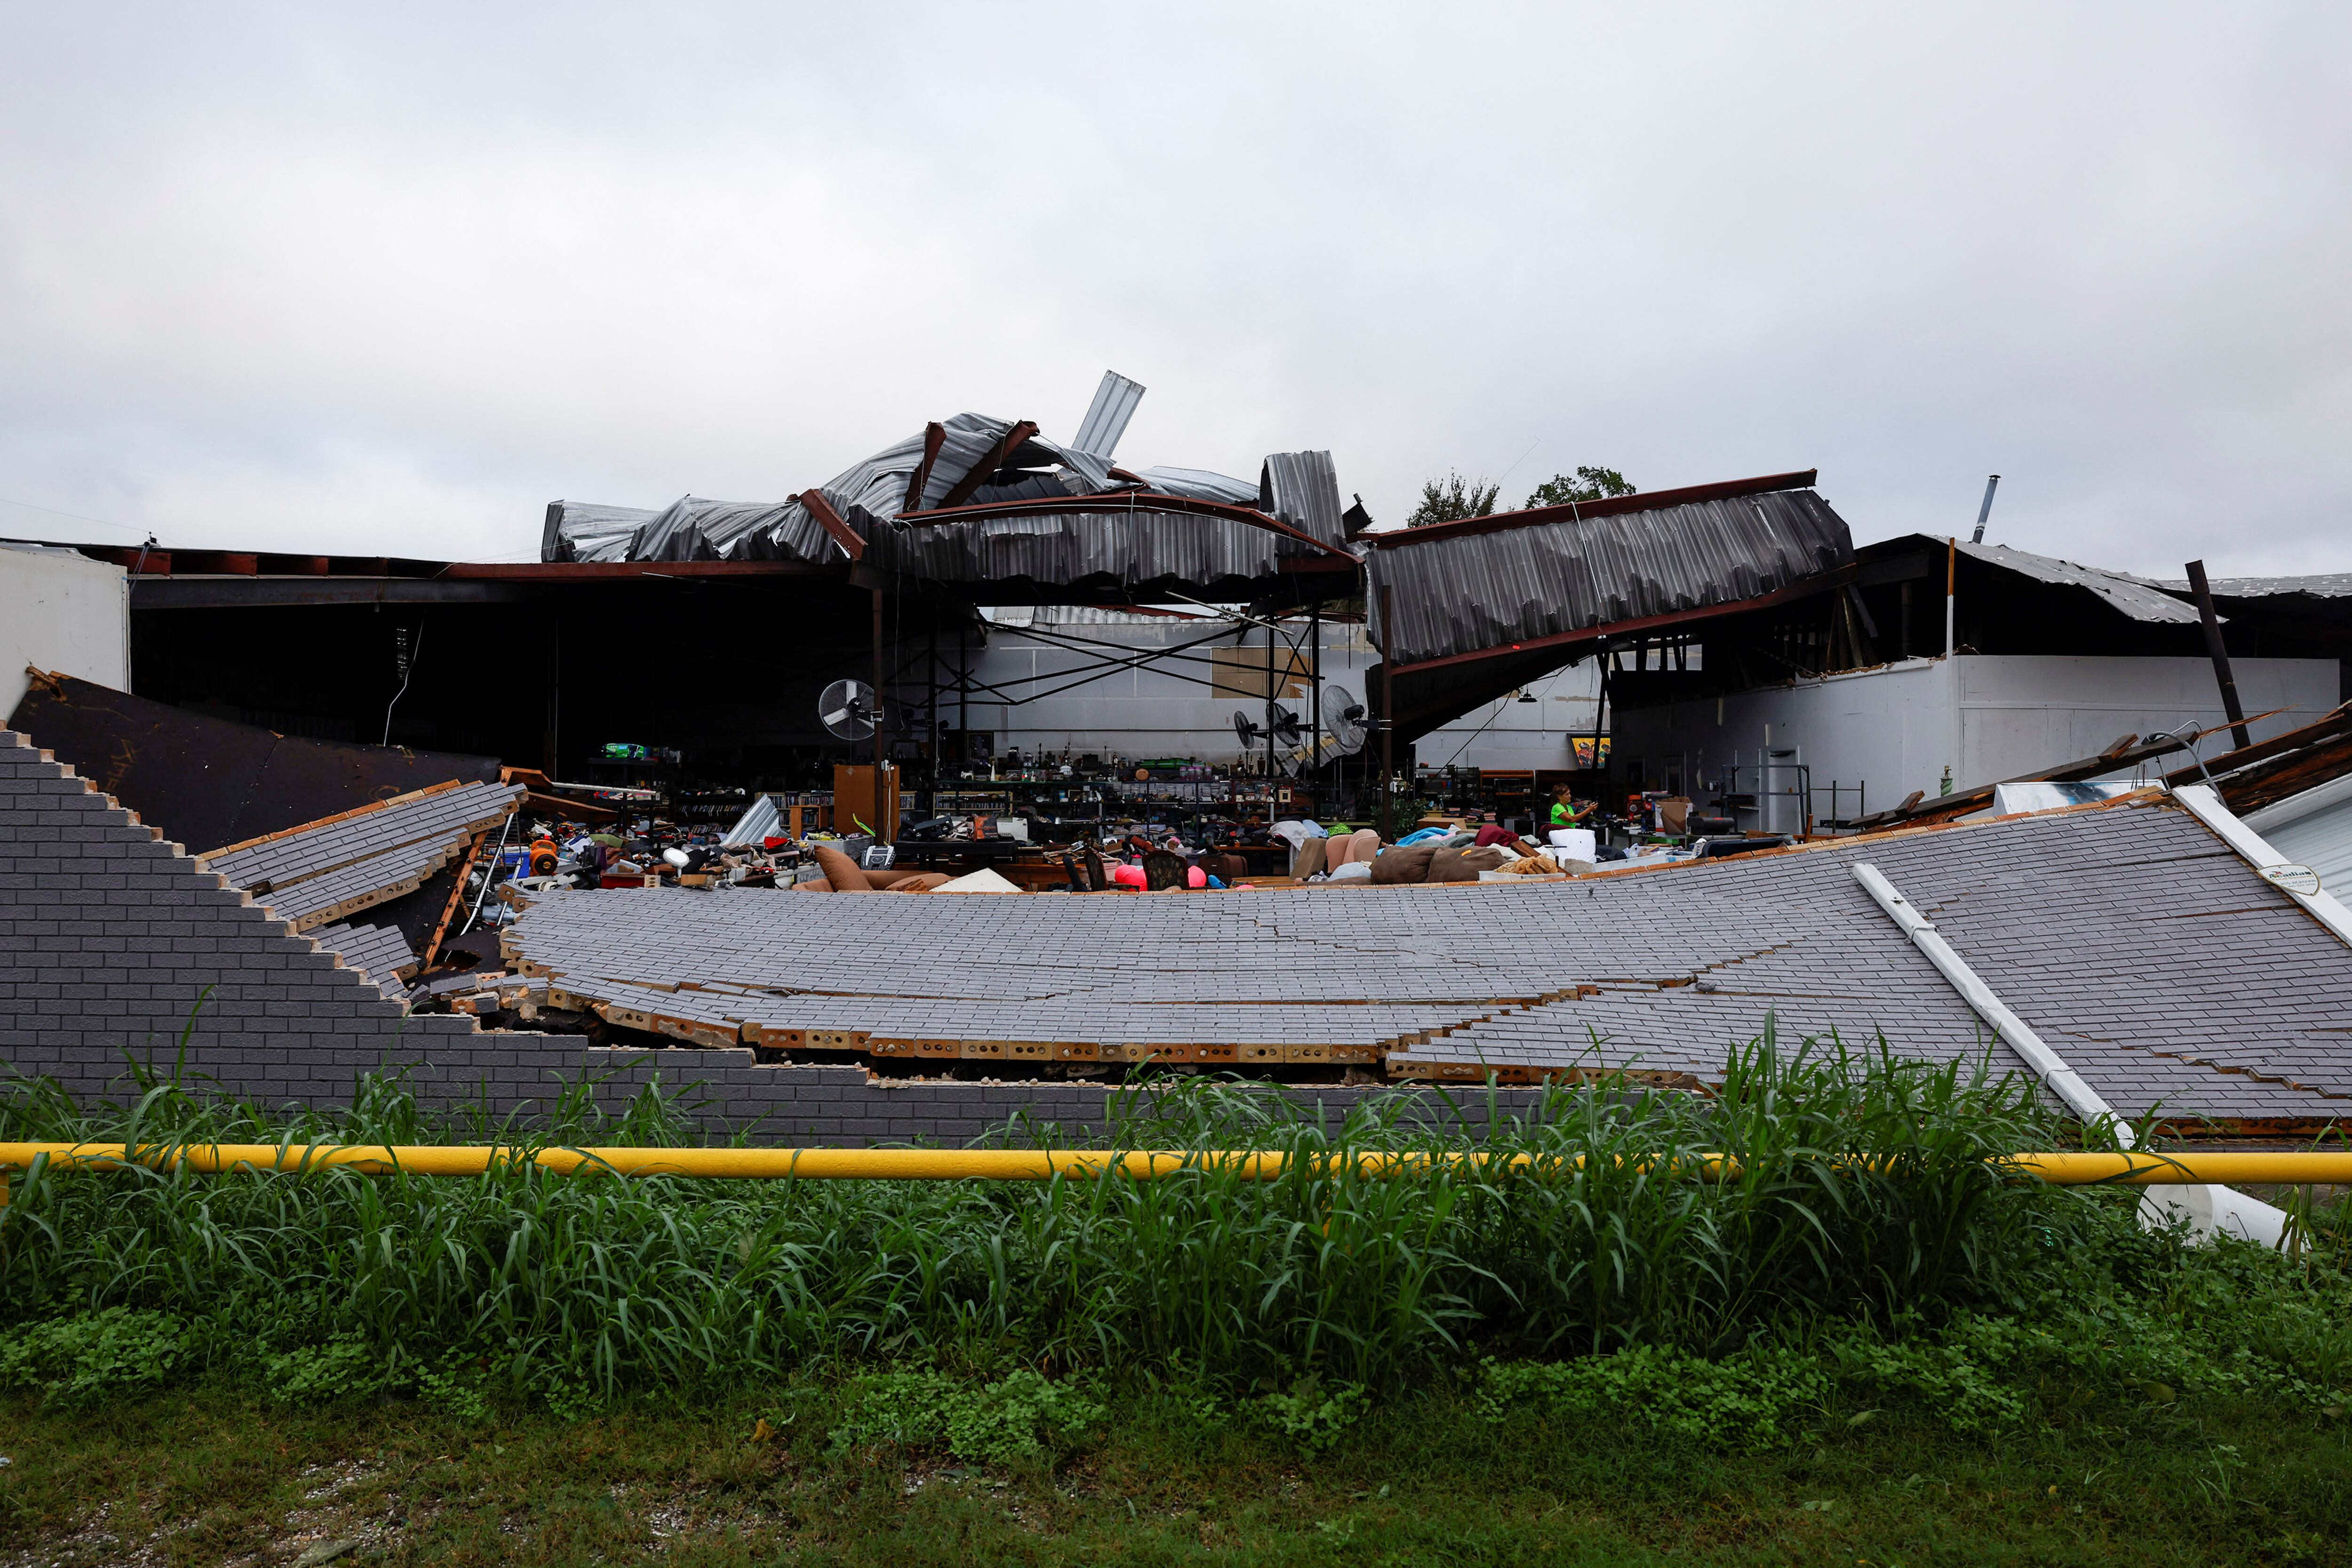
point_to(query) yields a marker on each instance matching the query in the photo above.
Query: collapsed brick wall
(113, 943)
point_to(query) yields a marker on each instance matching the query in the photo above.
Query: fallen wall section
(109, 935)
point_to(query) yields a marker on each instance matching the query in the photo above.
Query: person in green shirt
(1568, 812)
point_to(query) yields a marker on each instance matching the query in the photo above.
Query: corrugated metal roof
(2139, 600)
(1303, 490)
(760, 820)
(1131, 547)
(2322, 586)
(1465, 590)
(694, 529)
(580, 531)
(1014, 616)
(2313, 828)
(1203, 485)
(1106, 416)
(1152, 536)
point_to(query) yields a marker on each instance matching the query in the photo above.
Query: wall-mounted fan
(1344, 717)
(1288, 728)
(848, 709)
(1247, 729)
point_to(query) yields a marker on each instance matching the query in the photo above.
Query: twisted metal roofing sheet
(1463, 590)
(1201, 484)
(1106, 416)
(581, 531)
(1303, 490)
(1144, 541)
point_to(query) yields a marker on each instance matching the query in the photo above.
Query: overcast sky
(388, 279)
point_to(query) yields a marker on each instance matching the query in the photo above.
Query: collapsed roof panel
(1303, 490)
(694, 529)
(581, 531)
(973, 498)
(1489, 582)
(1488, 604)
(2139, 600)
(2320, 586)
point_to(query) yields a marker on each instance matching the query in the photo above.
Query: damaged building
(614, 774)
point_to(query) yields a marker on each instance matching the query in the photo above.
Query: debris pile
(2171, 970)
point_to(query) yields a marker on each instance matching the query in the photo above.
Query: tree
(1589, 484)
(1452, 500)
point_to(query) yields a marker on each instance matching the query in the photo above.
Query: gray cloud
(389, 279)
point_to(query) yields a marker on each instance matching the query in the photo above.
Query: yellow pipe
(2188, 1167)
(2194, 1167)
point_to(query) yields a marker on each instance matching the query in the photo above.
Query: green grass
(1864, 1191)
(1581, 1359)
(202, 1476)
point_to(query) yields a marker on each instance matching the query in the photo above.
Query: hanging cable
(406, 657)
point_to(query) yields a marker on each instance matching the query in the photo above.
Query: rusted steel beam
(848, 538)
(990, 461)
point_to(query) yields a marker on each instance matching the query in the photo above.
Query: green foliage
(1021, 1418)
(1585, 484)
(1959, 1377)
(1451, 499)
(1864, 1218)
(2274, 1340)
(331, 1374)
(1748, 1400)
(83, 1361)
(1312, 1414)
(1863, 1185)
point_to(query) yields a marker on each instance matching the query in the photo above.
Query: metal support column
(1315, 682)
(932, 716)
(2220, 655)
(881, 735)
(1272, 631)
(1388, 718)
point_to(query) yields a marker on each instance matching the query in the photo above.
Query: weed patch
(1023, 1418)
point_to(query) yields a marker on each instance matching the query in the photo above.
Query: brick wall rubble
(110, 936)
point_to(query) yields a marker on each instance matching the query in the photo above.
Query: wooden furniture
(853, 801)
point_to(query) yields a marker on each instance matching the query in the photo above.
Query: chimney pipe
(1985, 511)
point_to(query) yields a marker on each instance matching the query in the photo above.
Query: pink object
(1129, 876)
(1195, 878)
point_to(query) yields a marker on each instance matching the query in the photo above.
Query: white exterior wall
(1987, 717)
(63, 612)
(1510, 734)
(1155, 710)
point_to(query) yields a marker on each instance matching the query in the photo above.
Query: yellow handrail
(2185, 1167)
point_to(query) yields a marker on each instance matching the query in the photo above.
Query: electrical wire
(414, 653)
